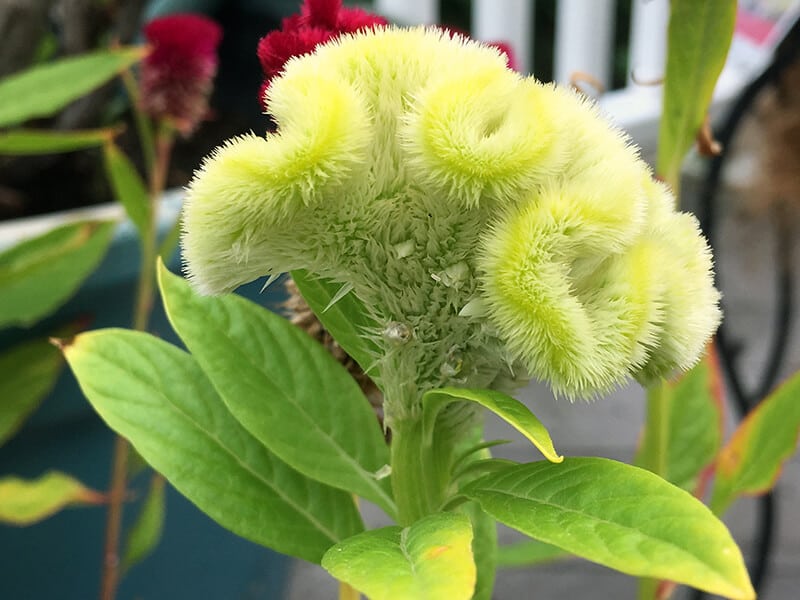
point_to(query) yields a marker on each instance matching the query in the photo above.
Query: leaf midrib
(600, 520)
(364, 475)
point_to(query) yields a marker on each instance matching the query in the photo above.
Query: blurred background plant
(75, 97)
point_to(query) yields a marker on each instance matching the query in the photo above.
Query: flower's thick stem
(141, 316)
(420, 472)
(655, 454)
(657, 427)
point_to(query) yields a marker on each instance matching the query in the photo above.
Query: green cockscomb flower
(494, 228)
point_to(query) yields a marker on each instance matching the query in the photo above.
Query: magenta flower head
(319, 21)
(177, 75)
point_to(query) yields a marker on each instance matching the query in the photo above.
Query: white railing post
(509, 21)
(584, 34)
(409, 12)
(648, 47)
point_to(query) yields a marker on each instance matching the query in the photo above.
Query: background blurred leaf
(129, 189)
(40, 274)
(751, 461)
(698, 39)
(28, 371)
(21, 142)
(144, 535)
(46, 89)
(24, 502)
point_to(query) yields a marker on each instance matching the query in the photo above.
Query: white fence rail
(584, 39)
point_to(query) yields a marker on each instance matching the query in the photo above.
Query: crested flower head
(501, 225)
(177, 74)
(318, 22)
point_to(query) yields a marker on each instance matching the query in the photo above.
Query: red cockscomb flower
(318, 22)
(177, 74)
(504, 47)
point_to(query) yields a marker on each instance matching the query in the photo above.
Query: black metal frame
(743, 398)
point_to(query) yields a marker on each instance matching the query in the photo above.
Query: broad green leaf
(23, 142)
(507, 408)
(28, 372)
(129, 189)
(156, 396)
(620, 516)
(751, 461)
(527, 554)
(24, 502)
(38, 275)
(694, 425)
(46, 89)
(146, 531)
(484, 550)
(284, 388)
(430, 560)
(346, 320)
(698, 39)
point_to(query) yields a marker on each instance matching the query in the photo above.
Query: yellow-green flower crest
(502, 224)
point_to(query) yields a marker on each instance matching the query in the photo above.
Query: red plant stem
(144, 303)
(110, 576)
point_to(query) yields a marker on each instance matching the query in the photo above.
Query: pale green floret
(495, 228)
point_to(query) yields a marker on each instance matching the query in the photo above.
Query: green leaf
(482, 467)
(507, 408)
(484, 550)
(24, 502)
(751, 461)
(694, 425)
(22, 142)
(40, 274)
(346, 320)
(527, 554)
(284, 388)
(46, 89)
(129, 189)
(430, 560)
(156, 396)
(28, 372)
(619, 516)
(698, 39)
(146, 531)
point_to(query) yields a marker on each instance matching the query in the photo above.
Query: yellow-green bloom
(501, 224)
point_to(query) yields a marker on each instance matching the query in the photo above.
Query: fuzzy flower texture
(493, 227)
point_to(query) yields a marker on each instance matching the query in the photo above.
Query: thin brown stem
(146, 288)
(141, 317)
(116, 497)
